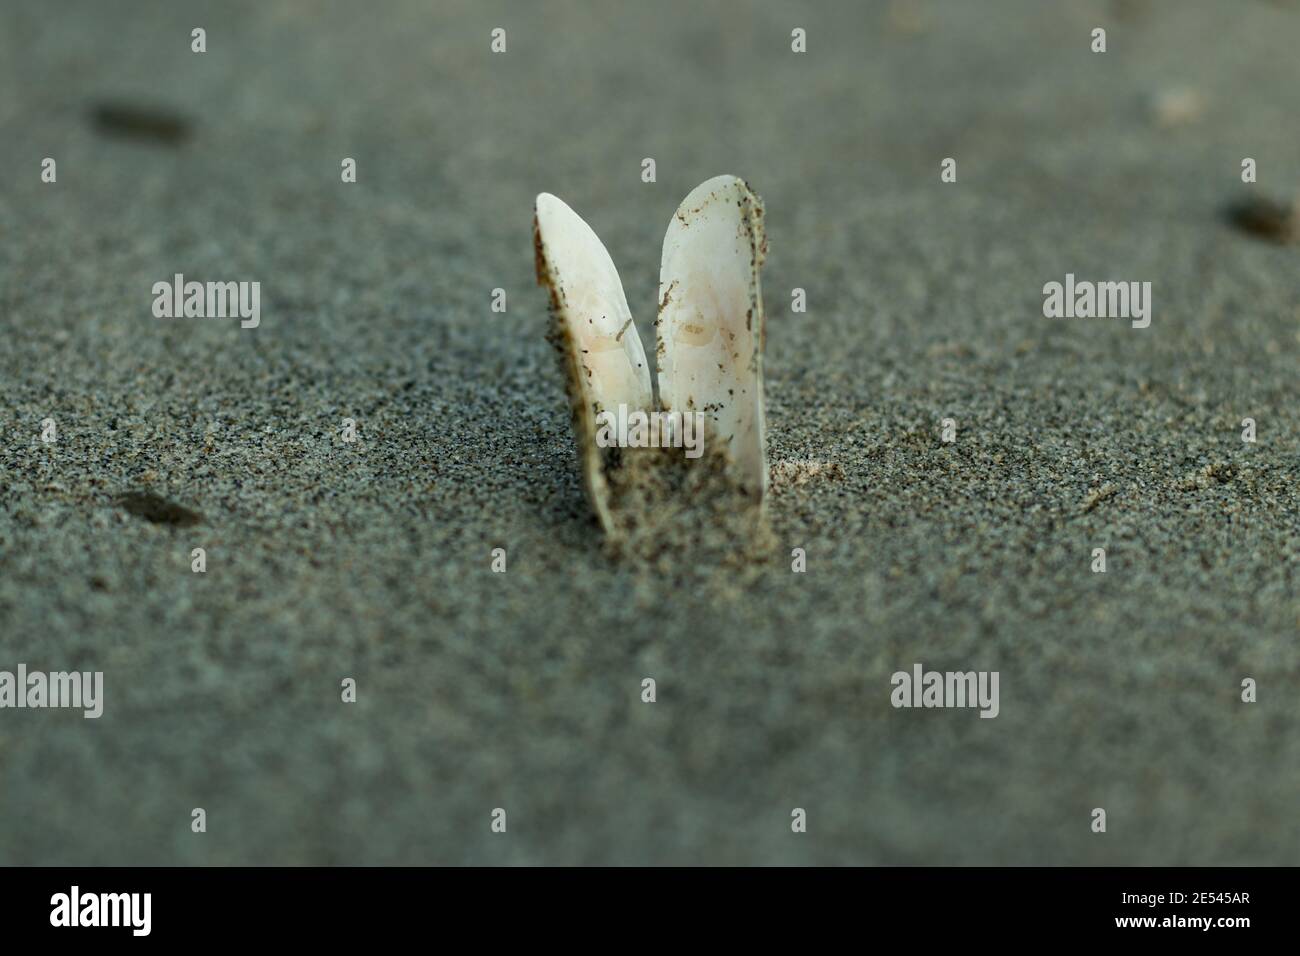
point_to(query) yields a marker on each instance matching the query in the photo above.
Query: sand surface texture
(371, 560)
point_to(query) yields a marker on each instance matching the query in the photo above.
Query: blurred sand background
(479, 690)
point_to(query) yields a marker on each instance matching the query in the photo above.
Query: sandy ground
(521, 690)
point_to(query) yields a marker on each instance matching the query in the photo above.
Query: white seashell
(593, 329)
(710, 328)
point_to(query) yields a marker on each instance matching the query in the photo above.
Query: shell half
(710, 329)
(592, 328)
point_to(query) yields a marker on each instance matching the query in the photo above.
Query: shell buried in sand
(710, 330)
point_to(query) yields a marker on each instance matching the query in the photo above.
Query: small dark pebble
(140, 123)
(144, 504)
(1266, 219)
